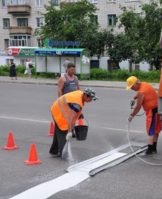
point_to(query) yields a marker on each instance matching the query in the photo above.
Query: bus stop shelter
(51, 60)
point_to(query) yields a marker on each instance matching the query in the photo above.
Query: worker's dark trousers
(59, 141)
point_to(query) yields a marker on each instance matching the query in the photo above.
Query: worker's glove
(132, 103)
(68, 136)
(130, 118)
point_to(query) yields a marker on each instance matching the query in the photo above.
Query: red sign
(13, 51)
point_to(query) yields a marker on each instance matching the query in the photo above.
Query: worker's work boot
(154, 147)
(149, 150)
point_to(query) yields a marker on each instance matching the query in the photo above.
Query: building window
(6, 23)
(112, 20)
(20, 40)
(55, 2)
(38, 2)
(4, 3)
(40, 21)
(22, 22)
(6, 43)
(13, 2)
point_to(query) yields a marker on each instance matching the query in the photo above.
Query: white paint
(47, 189)
(94, 165)
(74, 177)
(109, 156)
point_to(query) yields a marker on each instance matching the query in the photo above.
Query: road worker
(147, 98)
(65, 111)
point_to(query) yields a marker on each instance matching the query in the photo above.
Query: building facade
(19, 19)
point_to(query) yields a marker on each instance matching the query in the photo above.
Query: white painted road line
(74, 177)
(121, 130)
(88, 168)
(77, 174)
(46, 121)
(47, 189)
(24, 119)
(97, 158)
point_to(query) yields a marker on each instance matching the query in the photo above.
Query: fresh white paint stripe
(47, 189)
(97, 158)
(88, 168)
(74, 177)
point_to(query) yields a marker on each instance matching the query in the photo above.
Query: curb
(106, 84)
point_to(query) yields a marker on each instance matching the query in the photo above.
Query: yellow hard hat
(131, 81)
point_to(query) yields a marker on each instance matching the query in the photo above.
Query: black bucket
(81, 132)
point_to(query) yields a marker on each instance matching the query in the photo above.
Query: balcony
(19, 9)
(20, 30)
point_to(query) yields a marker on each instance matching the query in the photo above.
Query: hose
(129, 141)
(133, 151)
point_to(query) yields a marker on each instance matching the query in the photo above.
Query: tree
(121, 48)
(72, 22)
(144, 32)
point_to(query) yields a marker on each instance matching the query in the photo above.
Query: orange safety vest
(63, 115)
(150, 102)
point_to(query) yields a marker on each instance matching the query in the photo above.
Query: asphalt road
(24, 110)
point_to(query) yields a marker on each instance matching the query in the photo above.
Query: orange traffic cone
(33, 157)
(10, 144)
(80, 122)
(51, 129)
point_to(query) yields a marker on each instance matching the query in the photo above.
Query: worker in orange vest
(147, 98)
(65, 111)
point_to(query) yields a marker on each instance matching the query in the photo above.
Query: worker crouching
(65, 111)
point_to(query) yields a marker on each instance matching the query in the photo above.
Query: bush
(95, 74)
(20, 69)
(4, 70)
(98, 74)
(120, 74)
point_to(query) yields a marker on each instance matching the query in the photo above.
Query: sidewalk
(90, 83)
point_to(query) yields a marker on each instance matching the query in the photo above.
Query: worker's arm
(139, 100)
(74, 113)
(60, 86)
(78, 87)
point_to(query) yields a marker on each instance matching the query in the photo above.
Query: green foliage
(144, 32)
(4, 70)
(95, 74)
(20, 69)
(46, 75)
(122, 75)
(98, 74)
(73, 21)
(121, 48)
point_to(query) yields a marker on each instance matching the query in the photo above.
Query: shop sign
(13, 51)
(22, 52)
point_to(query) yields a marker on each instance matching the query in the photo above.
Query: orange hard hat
(131, 81)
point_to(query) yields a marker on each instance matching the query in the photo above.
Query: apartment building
(20, 18)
